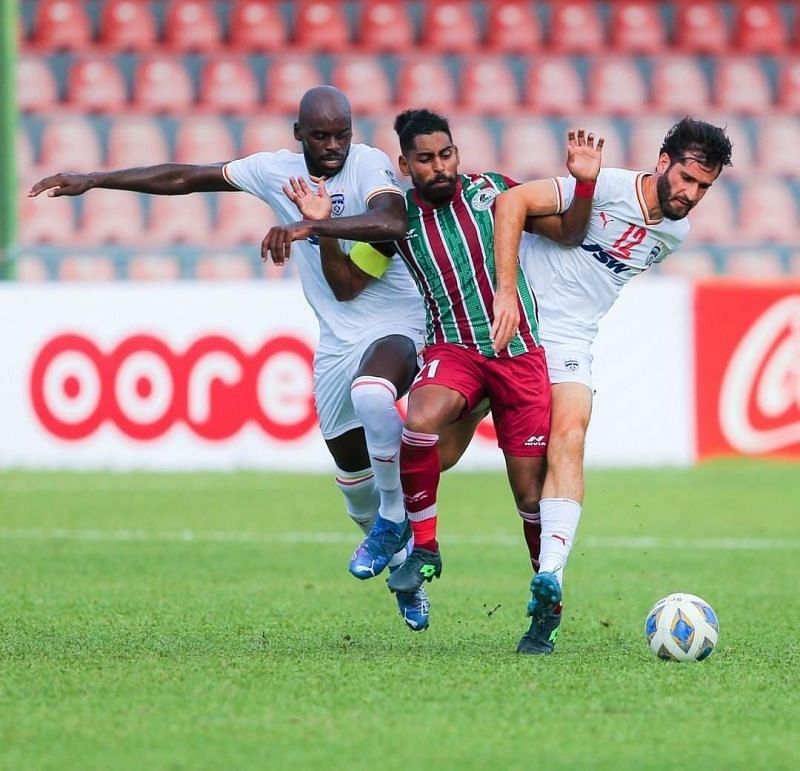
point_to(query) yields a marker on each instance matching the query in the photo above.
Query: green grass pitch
(208, 621)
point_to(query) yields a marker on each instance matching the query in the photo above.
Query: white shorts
(568, 364)
(334, 374)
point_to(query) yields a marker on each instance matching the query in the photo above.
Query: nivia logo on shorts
(571, 365)
(604, 258)
(535, 441)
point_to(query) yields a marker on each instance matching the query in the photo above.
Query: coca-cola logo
(759, 403)
(144, 387)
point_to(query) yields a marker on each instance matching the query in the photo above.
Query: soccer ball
(681, 627)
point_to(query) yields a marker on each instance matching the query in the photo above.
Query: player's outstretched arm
(164, 179)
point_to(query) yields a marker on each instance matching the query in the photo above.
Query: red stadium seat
(224, 267)
(678, 84)
(162, 84)
(364, 81)
(227, 84)
(789, 84)
(754, 264)
(700, 27)
(191, 25)
(288, 78)
(61, 25)
(531, 149)
(576, 27)
(242, 219)
(111, 216)
(767, 212)
(513, 27)
(136, 141)
(646, 137)
(553, 85)
(46, 220)
(741, 86)
(476, 146)
(488, 86)
(69, 143)
(31, 268)
(687, 263)
(86, 267)
(425, 82)
(616, 86)
(179, 219)
(713, 220)
(773, 137)
(759, 28)
(268, 133)
(153, 267)
(203, 139)
(636, 26)
(127, 25)
(614, 149)
(257, 25)
(36, 85)
(96, 85)
(24, 153)
(448, 26)
(385, 26)
(320, 25)
(384, 138)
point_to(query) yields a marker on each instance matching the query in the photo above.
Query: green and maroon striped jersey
(449, 251)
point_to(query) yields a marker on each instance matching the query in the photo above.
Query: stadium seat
(767, 212)
(448, 26)
(257, 25)
(153, 267)
(616, 86)
(384, 138)
(288, 78)
(576, 27)
(69, 143)
(754, 264)
(488, 86)
(111, 216)
(191, 25)
(61, 25)
(46, 220)
(425, 81)
(227, 85)
(713, 220)
(606, 127)
(364, 81)
(24, 153)
(741, 86)
(759, 28)
(687, 263)
(531, 149)
(553, 85)
(86, 267)
(476, 146)
(179, 219)
(267, 133)
(793, 267)
(95, 84)
(636, 26)
(162, 85)
(127, 25)
(700, 27)
(320, 25)
(36, 85)
(136, 141)
(242, 219)
(789, 85)
(512, 26)
(203, 139)
(31, 268)
(678, 84)
(224, 267)
(384, 26)
(773, 136)
(646, 137)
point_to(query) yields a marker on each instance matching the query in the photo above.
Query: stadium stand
(365, 82)
(136, 140)
(512, 26)
(153, 267)
(69, 143)
(161, 84)
(384, 26)
(488, 86)
(636, 26)
(111, 217)
(257, 26)
(553, 86)
(678, 84)
(320, 25)
(87, 267)
(425, 81)
(191, 25)
(616, 86)
(759, 28)
(449, 27)
(700, 27)
(227, 85)
(61, 25)
(576, 27)
(127, 25)
(203, 139)
(36, 85)
(95, 84)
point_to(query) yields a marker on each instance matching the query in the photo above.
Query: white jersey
(367, 172)
(575, 286)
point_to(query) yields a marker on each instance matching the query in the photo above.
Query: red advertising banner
(747, 369)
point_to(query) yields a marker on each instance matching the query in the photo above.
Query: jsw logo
(604, 258)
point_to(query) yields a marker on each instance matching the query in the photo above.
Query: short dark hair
(706, 143)
(410, 124)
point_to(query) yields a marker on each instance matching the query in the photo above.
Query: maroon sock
(419, 476)
(533, 537)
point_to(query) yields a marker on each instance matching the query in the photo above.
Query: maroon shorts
(518, 388)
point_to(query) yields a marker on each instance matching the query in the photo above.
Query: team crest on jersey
(571, 364)
(337, 204)
(483, 199)
(654, 253)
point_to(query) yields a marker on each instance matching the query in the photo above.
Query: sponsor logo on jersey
(391, 176)
(337, 204)
(604, 258)
(605, 219)
(654, 252)
(483, 199)
(535, 441)
(571, 364)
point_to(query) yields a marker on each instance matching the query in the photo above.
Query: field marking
(194, 536)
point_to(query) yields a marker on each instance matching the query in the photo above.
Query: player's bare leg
(455, 437)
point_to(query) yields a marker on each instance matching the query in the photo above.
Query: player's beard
(670, 207)
(439, 193)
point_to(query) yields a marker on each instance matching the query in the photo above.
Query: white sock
(373, 401)
(360, 496)
(560, 517)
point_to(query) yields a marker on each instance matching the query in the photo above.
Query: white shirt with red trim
(392, 300)
(575, 286)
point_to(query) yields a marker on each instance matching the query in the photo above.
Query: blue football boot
(374, 552)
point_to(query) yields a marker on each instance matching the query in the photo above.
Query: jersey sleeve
(375, 175)
(565, 189)
(253, 174)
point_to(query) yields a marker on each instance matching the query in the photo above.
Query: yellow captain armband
(370, 260)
